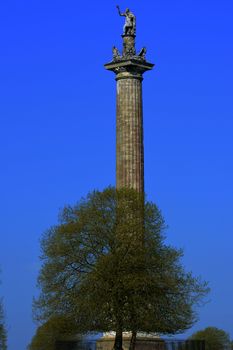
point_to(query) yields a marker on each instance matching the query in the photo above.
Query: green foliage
(215, 338)
(3, 333)
(47, 335)
(107, 267)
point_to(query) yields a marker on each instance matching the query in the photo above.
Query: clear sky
(57, 111)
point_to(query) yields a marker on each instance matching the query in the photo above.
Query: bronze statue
(130, 21)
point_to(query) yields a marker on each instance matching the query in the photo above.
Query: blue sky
(57, 112)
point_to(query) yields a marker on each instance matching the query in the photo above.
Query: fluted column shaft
(129, 142)
(129, 68)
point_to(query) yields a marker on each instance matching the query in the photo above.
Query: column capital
(129, 68)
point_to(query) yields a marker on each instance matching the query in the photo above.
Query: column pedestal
(143, 342)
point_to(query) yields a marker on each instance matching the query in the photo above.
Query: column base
(143, 342)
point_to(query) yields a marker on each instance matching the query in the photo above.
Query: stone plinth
(142, 343)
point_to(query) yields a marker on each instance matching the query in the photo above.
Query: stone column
(129, 68)
(129, 133)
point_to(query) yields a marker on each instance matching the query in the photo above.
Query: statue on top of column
(130, 21)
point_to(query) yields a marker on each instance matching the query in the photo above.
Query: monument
(129, 67)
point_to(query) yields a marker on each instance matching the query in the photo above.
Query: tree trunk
(118, 340)
(133, 340)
